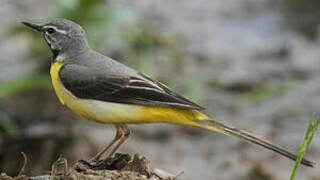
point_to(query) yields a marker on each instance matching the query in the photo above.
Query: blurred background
(254, 64)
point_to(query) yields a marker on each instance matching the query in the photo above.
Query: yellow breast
(54, 72)
(108, 112)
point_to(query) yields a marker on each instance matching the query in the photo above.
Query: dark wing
(138, 90)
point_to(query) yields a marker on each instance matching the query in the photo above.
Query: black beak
(33, 26)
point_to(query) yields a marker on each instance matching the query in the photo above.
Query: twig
(25, 161)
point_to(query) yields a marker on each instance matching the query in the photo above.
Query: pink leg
(125, 129)
(119, 134)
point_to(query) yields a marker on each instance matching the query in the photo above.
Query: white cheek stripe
(47, 39)
(49, 42)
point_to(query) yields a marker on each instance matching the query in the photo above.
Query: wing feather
(138, 90)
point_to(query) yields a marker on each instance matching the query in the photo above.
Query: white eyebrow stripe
(55, 28)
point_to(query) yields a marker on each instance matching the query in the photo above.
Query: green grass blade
(312, 128)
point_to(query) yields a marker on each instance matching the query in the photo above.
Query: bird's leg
(119, 134)
(125, 129)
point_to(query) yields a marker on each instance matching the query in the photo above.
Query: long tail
(217, 126)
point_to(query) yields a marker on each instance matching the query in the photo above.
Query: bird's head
(64, 37)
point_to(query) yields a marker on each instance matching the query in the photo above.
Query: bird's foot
(116, 162)
(95, 160)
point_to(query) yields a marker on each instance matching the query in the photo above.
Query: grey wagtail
(103, 90)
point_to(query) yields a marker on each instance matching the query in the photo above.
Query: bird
(103, 90)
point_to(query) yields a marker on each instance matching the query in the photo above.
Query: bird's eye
(51, 30)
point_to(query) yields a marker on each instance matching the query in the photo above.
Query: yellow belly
(108, 112)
